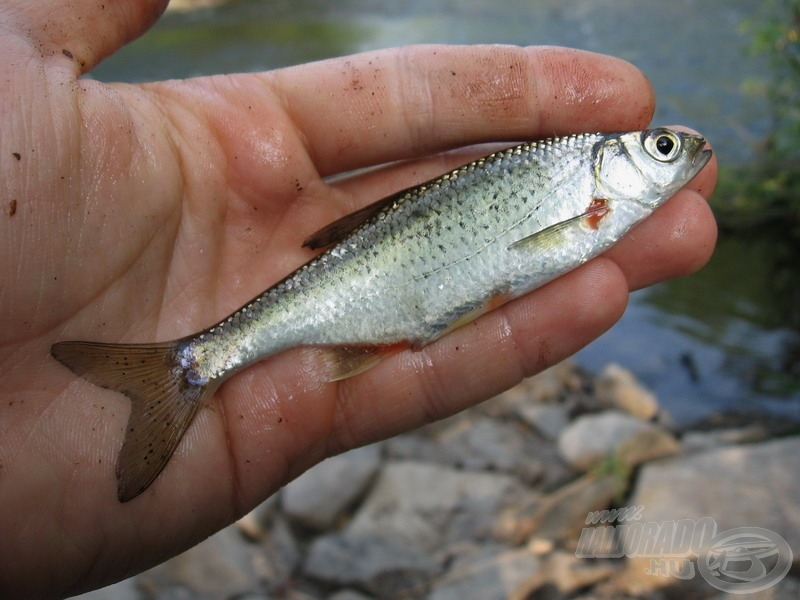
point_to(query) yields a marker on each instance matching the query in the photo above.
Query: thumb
(85, 31)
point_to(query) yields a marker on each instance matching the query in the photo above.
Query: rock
(255, 524)
(279, 557)
(490, 573)
(382, 565)
(491, 445)
(176, 592)
(558, 517)
(479, 443)
(348, 595)
(220, 567)
(567, 574)
(124, 590)
(430, 506)
(320, 496)
(617, 387)
(647, 445)
(561, 384)
(591, 438)
(697, 441)
(549, 420)
(787, 589)
(739, 486)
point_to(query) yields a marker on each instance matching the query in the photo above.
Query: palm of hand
(144, 213)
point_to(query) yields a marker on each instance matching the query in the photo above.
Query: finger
(85, 31)
(405, 102)
(676, 240)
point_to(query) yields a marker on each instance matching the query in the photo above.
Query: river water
(725, 339)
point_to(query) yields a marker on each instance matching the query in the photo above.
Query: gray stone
(482, 444)
(177, 592)
(617, 387)
(788, 589)
(491, 445)
(255, 524)
(562, 574)
(490, 573)
(559, 384)
(548, 419)
(280, 556)
(430, 506)
(591, 438)
(558, 517)
(220, 567)
(320, 496)
(348, 595)
(124, 590)
(380, 565)
(647, 445)
(698, 441)
(739, 486)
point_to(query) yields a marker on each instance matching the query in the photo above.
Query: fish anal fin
(341, 228)
(552, 235)
(163, 402)
(347, 361)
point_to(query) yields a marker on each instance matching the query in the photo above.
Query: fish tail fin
(163, 402)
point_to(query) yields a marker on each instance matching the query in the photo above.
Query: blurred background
(719, 349)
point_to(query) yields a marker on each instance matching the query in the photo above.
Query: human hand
(147, 212)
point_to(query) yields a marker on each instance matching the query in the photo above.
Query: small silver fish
(401, 273)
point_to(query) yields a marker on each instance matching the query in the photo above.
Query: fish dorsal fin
(341, 228)
(550, 236)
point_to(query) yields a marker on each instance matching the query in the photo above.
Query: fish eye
(662, 144)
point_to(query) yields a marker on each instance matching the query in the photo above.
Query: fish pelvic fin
(343, 362)
(163, 402)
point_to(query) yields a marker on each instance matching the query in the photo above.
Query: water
(724, 339)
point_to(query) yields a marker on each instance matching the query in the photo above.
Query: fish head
(648, 166)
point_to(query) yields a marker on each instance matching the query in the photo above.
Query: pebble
(589, 439)
(489, 573)
(321, 495)
(549, 420)
(432, 506)
(646, 446)
(617, 387)
(348, 595)
(559, 517)
(698, 441)
(382, 565)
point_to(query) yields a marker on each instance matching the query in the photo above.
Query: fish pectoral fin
(341, 228)
(551, 236)
(348, 361)
(163, 402)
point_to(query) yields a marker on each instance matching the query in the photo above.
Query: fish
(401, 273)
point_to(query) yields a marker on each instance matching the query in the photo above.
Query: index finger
(404, 102)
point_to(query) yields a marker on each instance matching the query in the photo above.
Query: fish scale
(401, 273)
